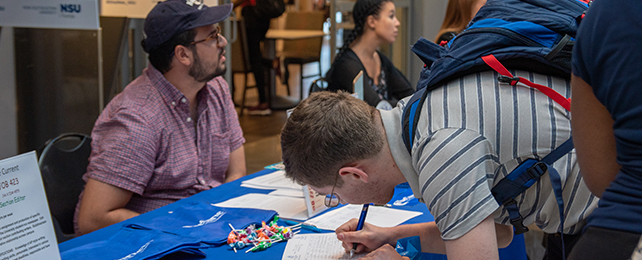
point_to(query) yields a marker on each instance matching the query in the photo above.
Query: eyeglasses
(216, 35)
(332, 199)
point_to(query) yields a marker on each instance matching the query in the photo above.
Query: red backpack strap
(507, 77)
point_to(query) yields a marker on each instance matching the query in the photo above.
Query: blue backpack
(532, 35)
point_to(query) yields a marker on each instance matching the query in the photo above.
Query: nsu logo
(70, 8)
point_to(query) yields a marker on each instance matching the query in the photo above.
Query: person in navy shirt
(607, 126)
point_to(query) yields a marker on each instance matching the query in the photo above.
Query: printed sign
(26, 229)
(137, 8)
(314, 202)
(50, 14)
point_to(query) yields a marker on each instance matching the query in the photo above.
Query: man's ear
(183, 55)
(353, 173)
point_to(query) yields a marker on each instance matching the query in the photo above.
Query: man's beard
(198, 71)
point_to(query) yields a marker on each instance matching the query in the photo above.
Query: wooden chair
(302, 51)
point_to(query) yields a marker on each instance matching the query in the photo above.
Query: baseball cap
(172, 17)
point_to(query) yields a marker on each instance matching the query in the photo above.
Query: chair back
(62, 163)
(318, 85)
(304, 48)
(240, 53)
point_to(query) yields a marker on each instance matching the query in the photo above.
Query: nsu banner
(137, 8)
(51, 14)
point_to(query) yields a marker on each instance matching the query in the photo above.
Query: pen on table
(362, 219)
(310, 227)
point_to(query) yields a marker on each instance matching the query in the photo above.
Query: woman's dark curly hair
(360, 12)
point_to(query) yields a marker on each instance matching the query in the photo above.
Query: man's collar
(392, 124)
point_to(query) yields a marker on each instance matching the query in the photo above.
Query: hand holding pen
(362, 220)
(368, 239)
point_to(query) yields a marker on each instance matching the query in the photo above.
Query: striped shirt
(473, 132)
(145, 141)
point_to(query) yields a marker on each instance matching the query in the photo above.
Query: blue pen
(362, 219)
(312, 228)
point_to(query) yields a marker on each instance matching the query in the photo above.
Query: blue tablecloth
(233, 189)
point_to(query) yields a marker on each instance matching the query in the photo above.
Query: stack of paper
(275, 181)
(316, 246)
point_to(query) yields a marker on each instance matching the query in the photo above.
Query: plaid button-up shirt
(145, 141)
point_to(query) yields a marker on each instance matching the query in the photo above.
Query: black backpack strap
(523, 177)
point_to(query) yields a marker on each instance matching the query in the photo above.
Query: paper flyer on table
(287, 193)
(288, 207)
(275, 180)
(378, 216)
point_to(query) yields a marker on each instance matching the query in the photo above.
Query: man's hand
(369, 238)
(385, 252)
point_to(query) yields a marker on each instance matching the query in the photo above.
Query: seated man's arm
(103, 205)
(236, 169)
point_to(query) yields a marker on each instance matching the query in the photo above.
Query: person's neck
(385, 156)
(365, 46)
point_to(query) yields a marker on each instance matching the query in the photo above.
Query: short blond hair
(325, 132)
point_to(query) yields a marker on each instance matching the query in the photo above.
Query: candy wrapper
(260, 238)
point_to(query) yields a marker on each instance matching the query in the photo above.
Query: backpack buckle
(515, 218)
(537, 170)
(519, 225)
(507, 79)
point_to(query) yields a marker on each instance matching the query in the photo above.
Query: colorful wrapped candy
(260, 239)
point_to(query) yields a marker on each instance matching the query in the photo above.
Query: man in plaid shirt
(173, 131)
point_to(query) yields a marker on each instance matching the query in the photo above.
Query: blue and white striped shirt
(473, 132)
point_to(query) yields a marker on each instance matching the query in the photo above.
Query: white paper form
(317, 247)
(287, 207)
(271, 181)
(287, 193)
(378, 216)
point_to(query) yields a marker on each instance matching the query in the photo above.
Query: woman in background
(375, 24)
(458, 15)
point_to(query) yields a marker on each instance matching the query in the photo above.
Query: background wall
(427, 16)
(8, 113)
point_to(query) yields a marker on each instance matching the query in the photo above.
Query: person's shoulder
(139, 99)
(344, 69)
(348, 59)
(138, 93)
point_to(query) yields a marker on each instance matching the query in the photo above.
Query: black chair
(318, 85)
(241, 60)
(62, 162)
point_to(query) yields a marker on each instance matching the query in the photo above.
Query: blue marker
(362, 219)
